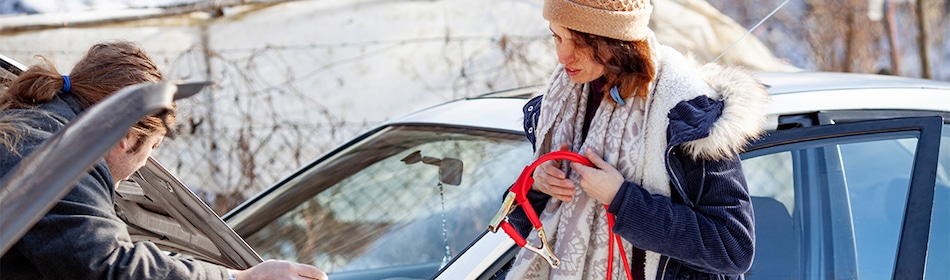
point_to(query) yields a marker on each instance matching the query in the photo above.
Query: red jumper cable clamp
(518, 195)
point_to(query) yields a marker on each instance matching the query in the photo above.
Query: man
(81, 237)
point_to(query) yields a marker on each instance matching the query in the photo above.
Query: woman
(664, 135)
(82, 237)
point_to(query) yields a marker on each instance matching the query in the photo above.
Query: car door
(842, 200)
(848, 200)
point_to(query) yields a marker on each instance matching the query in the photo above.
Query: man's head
(106, 68)
(133, 150)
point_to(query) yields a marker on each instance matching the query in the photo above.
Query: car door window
(877, 174)
(771, 181)
(384, 211)
(938, 249)
(830, 204)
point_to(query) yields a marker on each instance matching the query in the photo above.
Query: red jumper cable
(518, 195)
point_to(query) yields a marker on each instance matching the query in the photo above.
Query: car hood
(159, 208)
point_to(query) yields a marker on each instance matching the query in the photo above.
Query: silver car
(852, 181)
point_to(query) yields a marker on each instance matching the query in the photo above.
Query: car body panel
(859, 99)
(780, 83)
(480, 257)
(503, 114)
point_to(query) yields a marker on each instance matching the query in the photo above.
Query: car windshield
(407, 196)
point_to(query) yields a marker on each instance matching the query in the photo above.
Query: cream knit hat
(619, 19)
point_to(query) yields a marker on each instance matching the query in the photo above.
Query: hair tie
(65, 84)
(615, 94)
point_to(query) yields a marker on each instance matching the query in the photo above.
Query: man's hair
(106, 68)
(150, 126)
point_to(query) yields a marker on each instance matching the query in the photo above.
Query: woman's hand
(601, 181)
(550, 179)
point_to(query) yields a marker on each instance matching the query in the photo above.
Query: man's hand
(279, 270)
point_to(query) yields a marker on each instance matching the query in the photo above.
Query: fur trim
(742, 117)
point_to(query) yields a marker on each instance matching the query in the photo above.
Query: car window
(380, 210)
(877, 175)
(771, 181)
(938, 249)
(835, 206)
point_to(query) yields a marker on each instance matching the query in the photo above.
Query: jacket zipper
(665, 266)
(676, 179)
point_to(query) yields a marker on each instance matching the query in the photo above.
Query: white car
(852, 181)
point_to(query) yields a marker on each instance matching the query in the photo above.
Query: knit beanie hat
(619, 19)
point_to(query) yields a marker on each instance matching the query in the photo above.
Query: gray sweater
(81, 237)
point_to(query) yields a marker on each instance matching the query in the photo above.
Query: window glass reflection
(390, 208)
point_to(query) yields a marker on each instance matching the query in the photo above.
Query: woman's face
(123, 161)
(578, 60)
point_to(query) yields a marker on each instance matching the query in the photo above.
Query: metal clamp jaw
(501, 221)
(518, 195)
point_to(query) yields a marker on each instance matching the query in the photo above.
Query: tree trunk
(922, 40)
(890, 20)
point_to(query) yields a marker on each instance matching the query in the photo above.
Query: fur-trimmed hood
(713, 111)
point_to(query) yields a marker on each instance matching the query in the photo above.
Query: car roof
(805, 92)
(792, 93)
(790, 82)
